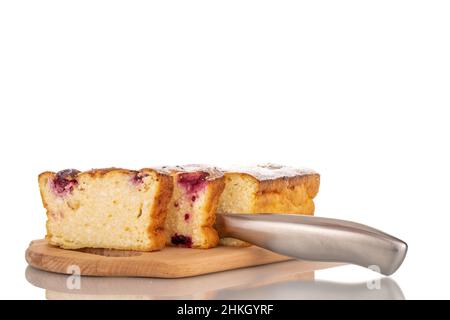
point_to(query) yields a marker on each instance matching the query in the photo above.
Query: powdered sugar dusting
(271, 171)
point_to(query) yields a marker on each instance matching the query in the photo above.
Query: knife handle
(317, 239)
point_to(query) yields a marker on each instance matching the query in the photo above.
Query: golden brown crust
(271, 180)
(41, 181)
(211, 235)
(99, 172)
(310, 180)
(159, 210)
(287, 195)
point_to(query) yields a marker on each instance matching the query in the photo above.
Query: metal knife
(316, 238)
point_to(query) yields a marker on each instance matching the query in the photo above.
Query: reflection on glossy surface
(317, 290)
(285, 280)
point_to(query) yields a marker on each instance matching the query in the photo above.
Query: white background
(357, 90)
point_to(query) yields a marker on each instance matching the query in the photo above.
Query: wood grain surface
(168, 263)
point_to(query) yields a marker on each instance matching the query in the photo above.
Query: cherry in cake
(64, 181)
(106, 208)
(184, 241)
(191, 211)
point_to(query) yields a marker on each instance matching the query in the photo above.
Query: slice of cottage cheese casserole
(106, 208)
(192, 210)
(268, 189)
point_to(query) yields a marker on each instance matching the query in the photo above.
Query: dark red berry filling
(138, 178)
(65, 181)
(180, 240)
(193, 198)
(186, 216)
(192, 181)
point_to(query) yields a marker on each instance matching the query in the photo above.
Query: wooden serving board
(167, 263)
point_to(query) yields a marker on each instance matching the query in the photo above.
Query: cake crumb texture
(106, 208)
